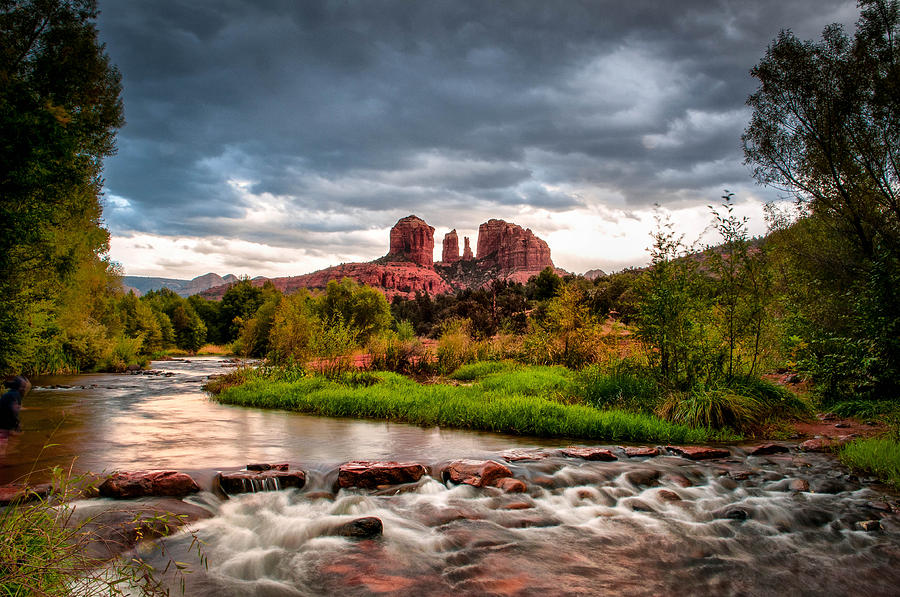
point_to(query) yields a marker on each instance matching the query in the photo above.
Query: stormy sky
(280, 137)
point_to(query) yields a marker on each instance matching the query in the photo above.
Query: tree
(60, 108)
(826, 128)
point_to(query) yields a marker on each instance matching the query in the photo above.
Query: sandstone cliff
(505, 251)
(413, 240)
(450, 252)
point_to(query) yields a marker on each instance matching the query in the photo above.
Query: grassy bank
(527, 401)
(876, 456)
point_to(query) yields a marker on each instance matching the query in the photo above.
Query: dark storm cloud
(348, 114)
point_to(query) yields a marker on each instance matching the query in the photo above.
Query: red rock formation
(413, 239)
(477, 473)
(148, 483)
(450, 252)
(369, 475)
(505, 251)
(467, 251)
(511, 247)
(393, 279)
(589, 453)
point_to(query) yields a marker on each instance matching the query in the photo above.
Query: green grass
(877, 456)
(618, 386)
(506, 402)
(481, 369)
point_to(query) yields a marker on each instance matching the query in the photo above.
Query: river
(786, 524)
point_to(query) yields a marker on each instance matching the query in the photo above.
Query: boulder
(668, 495)
(589, 453)
(766, 449)
(360, 528)
(638, 451)
(798, 485)
(450, 249)
(251, 481)
(699, 452)
(824, 444)
(123, 485)
(477, 473)
(369, 475)
(412, 239)
(510, 485)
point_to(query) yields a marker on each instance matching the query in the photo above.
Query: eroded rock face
(413, 239)
(477, 473)
(450, 250)
(370, 475)
(512, 247)
(124, 485)
(505, 252)
(467, 250)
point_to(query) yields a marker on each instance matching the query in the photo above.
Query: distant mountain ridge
(142, 285)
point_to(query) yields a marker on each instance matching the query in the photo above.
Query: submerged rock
(589, 453)
(766, 449)
(360, 528)
(251, 481)
(699, 452)
(124, 485)
(510, 485)
(366, 474)
(477, 473)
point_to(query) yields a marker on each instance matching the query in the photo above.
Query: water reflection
(120, 421)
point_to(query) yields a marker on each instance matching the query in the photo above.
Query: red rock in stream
(477, 473)
(19, 493)
(699, 452)
(638, 451)
(123, 485)
(510, 485)
(823, 444)
(252, 481)
(369, 475)
(589, 453)
(766, 449)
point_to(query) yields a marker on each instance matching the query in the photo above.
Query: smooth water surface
(106, 422)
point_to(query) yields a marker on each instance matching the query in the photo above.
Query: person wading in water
(10, 405)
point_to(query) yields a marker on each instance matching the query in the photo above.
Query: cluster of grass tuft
(480, 369)
(618, 385)
(878, 456)
(506, 402)
(43, 551)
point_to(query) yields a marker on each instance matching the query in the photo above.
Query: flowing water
(637, 526)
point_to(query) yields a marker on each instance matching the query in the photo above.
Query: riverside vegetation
(677, 351)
